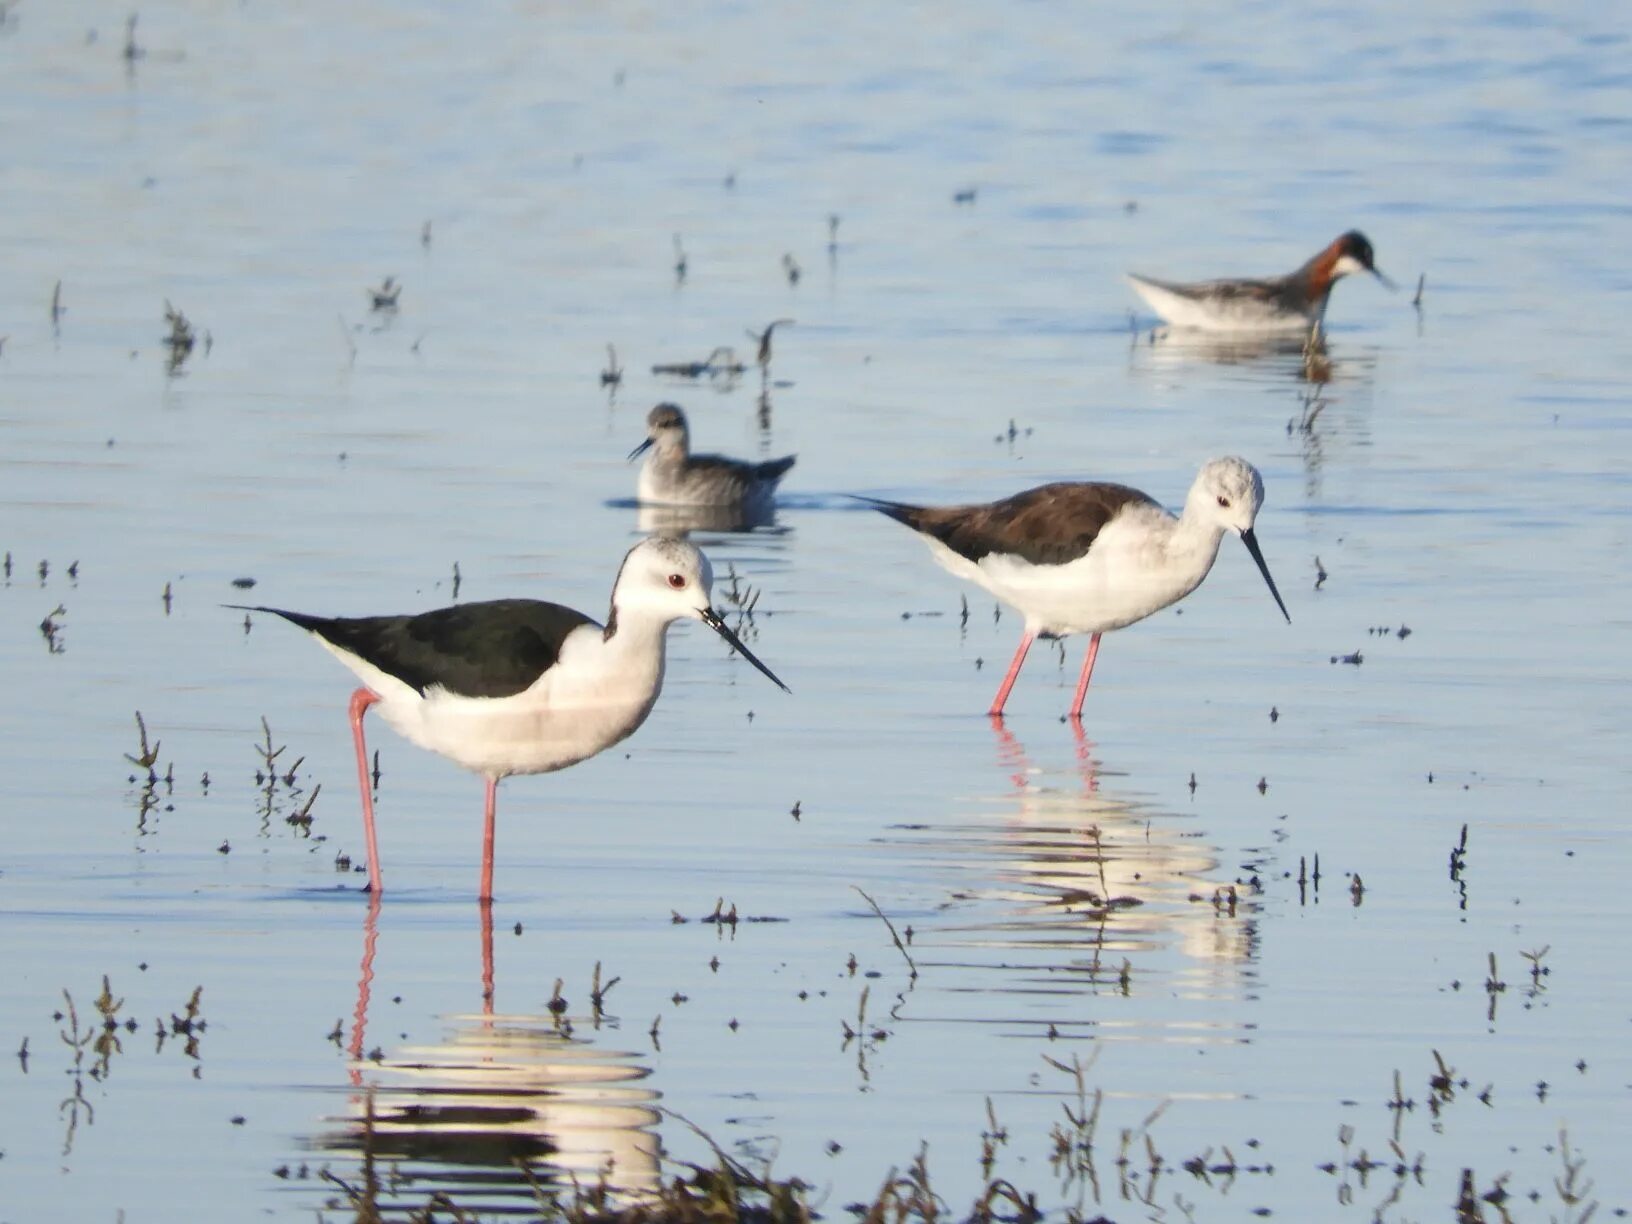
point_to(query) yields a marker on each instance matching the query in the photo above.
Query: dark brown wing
(1049, 525)
(495, 648)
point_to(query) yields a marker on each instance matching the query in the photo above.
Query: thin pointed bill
(1387, 283)
(640, 450)
(1251, 541)
(712, 619)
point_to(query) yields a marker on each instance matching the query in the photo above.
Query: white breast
(1129, 573)
(594, 696)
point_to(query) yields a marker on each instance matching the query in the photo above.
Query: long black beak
(1251, 541)
(640, 450)
(1387, 283)
(712, 619)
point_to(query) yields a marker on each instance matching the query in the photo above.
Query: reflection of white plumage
(1086, 879)
(459, 1116)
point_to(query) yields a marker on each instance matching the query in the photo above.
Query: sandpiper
(1294, 302)
(673, 476)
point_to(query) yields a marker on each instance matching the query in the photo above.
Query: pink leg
(487, 841)
(487, 956)
(360, 701)
(1014, 671)
(1087, 671)
(365, 984)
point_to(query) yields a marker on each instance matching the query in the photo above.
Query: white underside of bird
(1220, 313)
(598, 692)
(1141, 561)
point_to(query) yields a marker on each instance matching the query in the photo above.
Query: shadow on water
(504, 1110)
(1092, 889)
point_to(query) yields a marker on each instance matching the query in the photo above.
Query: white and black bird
(520, 686)
(1089, 557)
(673, 476)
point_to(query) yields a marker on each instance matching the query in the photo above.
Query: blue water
(1462, 474)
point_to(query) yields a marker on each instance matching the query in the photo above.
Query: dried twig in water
(903, 947)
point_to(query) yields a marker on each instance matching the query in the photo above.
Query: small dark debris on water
(1012, 433)
(1263, 785)
(720, 916)
(180, 341)
(243, 584)
(796, 809)
(224, 848)
(1274, 715)
(425, 235)
(613, 374)
(791, 269)
(721, 363)
(51, 630)
(45, 571)
(1320, 574)
(680, 261)
(384, 298)
(1192, 783)
(964, 196)
(1354, 660)
(1422, 281)
(73, 572)
(518, 928)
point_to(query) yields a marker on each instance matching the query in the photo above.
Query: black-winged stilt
(1090, 557)
(519, 686)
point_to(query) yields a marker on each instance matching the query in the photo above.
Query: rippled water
(1241, 907)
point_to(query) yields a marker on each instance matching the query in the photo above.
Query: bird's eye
(677, 581)
(1224, 501)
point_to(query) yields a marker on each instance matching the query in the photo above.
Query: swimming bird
(520, 686)
(673, 476)
(1089, 557)
(1294, 302)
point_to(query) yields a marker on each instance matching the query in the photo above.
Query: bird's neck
(1193, 543)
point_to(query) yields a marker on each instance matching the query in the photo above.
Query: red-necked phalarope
(673, 476)
(1089, 558)
(1294, 302)
(519, 686)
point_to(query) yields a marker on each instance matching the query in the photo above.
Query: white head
(1227, 494)
(666, 430)
(666, 580)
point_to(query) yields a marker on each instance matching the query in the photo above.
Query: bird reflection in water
(1099, 892)
(504, 1109)
(678, 522)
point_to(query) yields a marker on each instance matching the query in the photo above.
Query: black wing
(495, 648)
(1049, 525)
